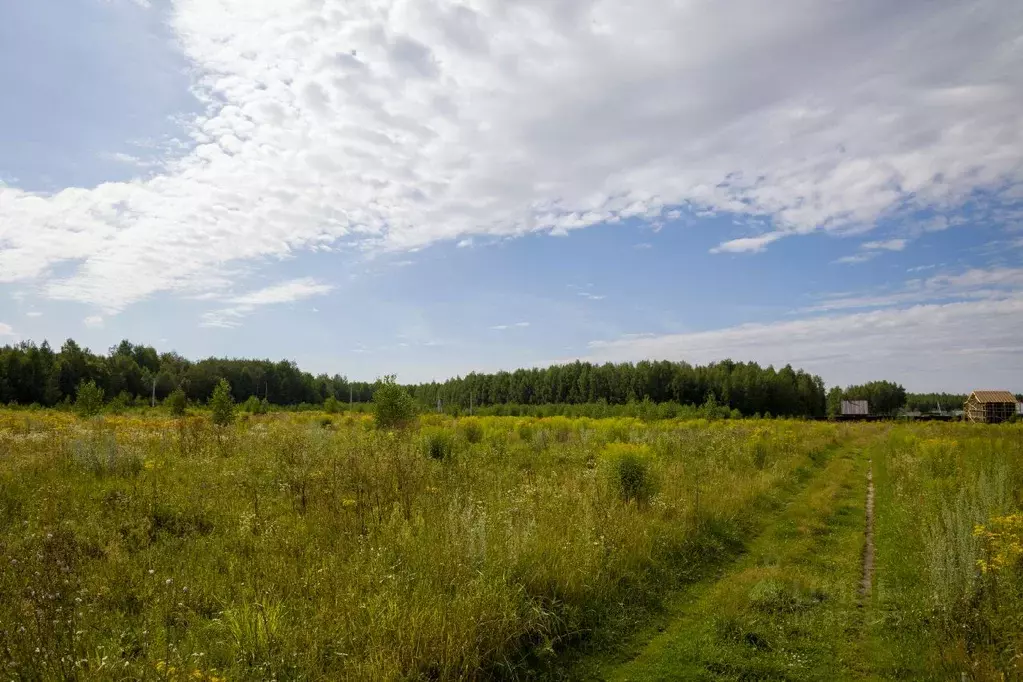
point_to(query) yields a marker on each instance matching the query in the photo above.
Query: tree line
(130, 373)
(38, 374)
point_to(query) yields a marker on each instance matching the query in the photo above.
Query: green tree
(90, 399)
(222, 404)
(176, 402)
(254, 405)
(331, 405)
(835, 402)
(393, 405)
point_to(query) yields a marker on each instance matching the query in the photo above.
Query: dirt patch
(868, 546)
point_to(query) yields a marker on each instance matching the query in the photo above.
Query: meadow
(316, 546)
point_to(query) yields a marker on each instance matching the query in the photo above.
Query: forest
(36, 374)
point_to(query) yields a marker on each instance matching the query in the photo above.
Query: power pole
(153, 403)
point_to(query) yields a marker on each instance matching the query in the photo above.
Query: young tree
(394, 407)
(222, 404)
(835, 402)
(177, 402)
(90, 399)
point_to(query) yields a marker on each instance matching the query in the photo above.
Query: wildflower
(348, 502)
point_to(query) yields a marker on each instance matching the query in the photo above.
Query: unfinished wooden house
(989, 407)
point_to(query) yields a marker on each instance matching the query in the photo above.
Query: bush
(121, 403)
(90, 399)
(630, 474)
(176, 402)
(394, 408)
(472, 429)
(331, 405)
(438, 443)
(254, 405)
(222, 404)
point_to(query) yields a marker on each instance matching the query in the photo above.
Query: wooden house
(855, 408)
(989, 407)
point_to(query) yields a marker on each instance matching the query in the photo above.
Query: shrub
(629, 467)
(176, 402)
(90, 399)
(222, 404)
(394, 407)
(472, 429)
(254, 405)
(438, 443)
(121, 402)
(331, 405)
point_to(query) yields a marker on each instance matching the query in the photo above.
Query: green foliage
(438, 442)
(394, 408)
(222, 404)
(835, 402)
(89, 399)
(472, 429)
(883, 397)
(332, 405)
(176, 402)
(254, 405)
(630, 471)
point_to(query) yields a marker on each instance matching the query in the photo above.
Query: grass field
(307, 546)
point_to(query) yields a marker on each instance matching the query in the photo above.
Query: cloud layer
(392, 125)
(956, 346)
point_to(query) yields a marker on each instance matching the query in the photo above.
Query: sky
(430, 188)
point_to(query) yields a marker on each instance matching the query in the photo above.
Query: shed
(855, 408)
(990, 407)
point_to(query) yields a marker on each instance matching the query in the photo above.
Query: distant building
(857, 408)
(990, 407)
(1019, 409)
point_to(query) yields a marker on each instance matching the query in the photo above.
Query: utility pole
(153, 403)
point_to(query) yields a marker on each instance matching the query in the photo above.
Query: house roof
(994, 397)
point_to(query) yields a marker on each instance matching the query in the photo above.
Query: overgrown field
(307, 546)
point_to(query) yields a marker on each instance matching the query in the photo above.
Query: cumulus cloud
(93, 321)
(955, 346)
(394, 125)
(283, 292)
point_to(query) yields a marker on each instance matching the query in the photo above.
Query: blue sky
(440, 187)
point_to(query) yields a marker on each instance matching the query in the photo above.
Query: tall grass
(942, 484)
(289, 546)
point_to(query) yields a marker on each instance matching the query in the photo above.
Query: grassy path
(787, 610)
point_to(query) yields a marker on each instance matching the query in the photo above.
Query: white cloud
(978, 283)
(956, 346)
(503, 327)
(284, 292)
(857, 258)
(395, 125)
(33, 313)
(6, 330)
(748, 244)
(890, 245)
(643, 245)
(93, 321)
